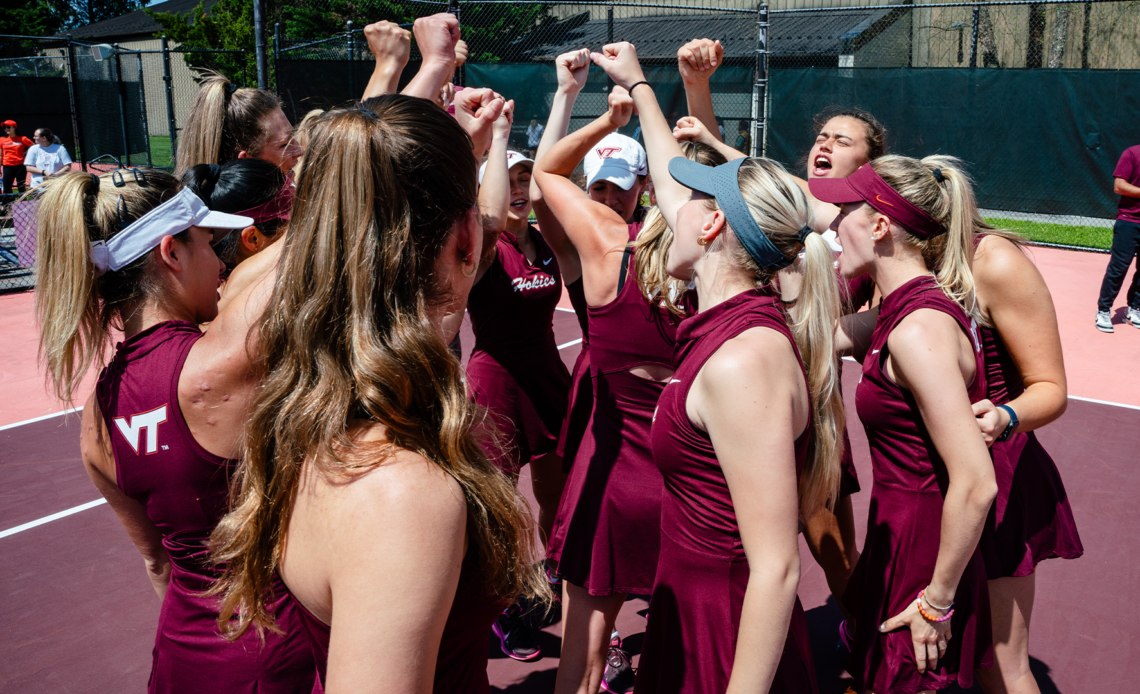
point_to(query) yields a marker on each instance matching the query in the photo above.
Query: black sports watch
(1009, 428)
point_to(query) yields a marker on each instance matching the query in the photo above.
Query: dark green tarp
(1043, 141)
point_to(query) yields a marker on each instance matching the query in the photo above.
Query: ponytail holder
(231, 88)
(215, 172)
(95, 183)
(938, 175)
(804, 233)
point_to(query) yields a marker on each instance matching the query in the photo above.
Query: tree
(227, 25)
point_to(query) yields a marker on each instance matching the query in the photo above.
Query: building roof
(658, 37)
(133, 24)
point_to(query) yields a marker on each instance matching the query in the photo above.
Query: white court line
(1104, 402)
(40, 419)
(571, 343)
(54, 516)
(567, 310)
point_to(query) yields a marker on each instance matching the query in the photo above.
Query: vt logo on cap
(607, 152)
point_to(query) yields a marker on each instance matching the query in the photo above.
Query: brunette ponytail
(223, 122)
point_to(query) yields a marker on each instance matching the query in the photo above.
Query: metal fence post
(609, 24)
(351, 62)
(259, 43)
(142, 104)
(76, 126)
(122, 106)
(276, 57)
(1085, 36)
(171, 124)
(460, 74)
(974, 36)
(760, 88)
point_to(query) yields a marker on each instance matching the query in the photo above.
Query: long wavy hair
(346, 336)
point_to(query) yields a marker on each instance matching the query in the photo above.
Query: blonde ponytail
(781, 209)
(816, 311)
(223, 122)
(75, 309)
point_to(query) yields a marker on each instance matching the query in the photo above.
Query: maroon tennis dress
(515, 370)
(606, 533)
(1031, 519)
(461, 667)
(904, 522)
(581, 402)
(185, 490)
(702, 574)
(856, 292)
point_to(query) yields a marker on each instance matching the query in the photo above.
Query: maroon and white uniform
(515, 370)
(185, 490)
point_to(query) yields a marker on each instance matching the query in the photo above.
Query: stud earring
(702, 241)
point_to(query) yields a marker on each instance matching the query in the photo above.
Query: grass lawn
(1088, 237)
(159, 154)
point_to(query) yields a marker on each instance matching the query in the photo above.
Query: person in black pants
(1125, 243)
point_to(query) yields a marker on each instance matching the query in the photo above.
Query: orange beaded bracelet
(927, 616)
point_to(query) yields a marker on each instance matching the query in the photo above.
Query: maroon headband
(277, 208)
(865, 185)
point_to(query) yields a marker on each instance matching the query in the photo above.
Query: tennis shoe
(1133, 317)
(618, 676)
(1104, 322)
(515, 636)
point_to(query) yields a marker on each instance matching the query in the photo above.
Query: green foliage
(1086, 237)
(227, 25)
(324, 19)
(34, 18)
(485, 26)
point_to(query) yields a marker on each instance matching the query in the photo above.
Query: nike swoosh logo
(883, 201)
(675, 380)
(547, 261)
(875, 351)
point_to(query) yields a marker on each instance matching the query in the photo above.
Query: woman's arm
(619, 60)
(690, 128)
(572, 69)
(697, 60)
(390, 45)
(598, 233)
(393, 555)
(1013, 294)
(853, 333)
(495, 190)
(755, 377)
(99, 461)
(929, 356)
(436, 37)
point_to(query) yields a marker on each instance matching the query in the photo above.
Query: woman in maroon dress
(515, 370)
(919, 592)
(352, 469)
(1031, 519)
(714, 624)
(129, 249)
(605, 533)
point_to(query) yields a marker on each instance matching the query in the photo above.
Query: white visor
(513, 160)
(172, 217)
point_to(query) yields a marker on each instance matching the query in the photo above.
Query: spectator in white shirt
(46, 158)
(534, 135)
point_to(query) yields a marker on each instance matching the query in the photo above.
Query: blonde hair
(781, 209)
(952, 203)
(651, 247)
(75, 309)
(223, 122)
(376, 205)
(301, 135)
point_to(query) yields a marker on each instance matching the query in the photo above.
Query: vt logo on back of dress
(132, 428)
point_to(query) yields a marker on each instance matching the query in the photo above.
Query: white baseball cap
(174, 216)
(616, 158)
(513, 160)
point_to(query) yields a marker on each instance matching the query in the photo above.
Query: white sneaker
(1104, 322)
(1133, 317)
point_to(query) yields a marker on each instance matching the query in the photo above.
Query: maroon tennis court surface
(77, 613)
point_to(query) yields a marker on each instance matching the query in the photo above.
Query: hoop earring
(474, 268)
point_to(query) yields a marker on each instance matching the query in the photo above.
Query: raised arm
(690, 128)
(495, 190)
(619, 60)
(697, 60)
(476, 111)
(436, 37)
(598, 233)
(755, 377)
(572, 68)
(390, 46)
(99, 462)
(1015, 297)
(926, 356)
